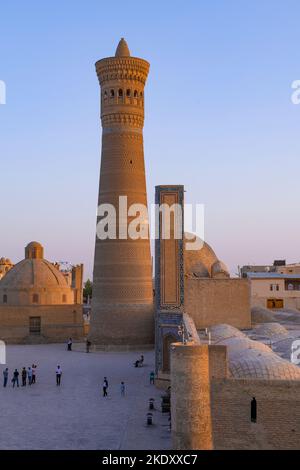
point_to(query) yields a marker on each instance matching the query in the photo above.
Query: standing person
(152, 376)
(33, 368)
(15, 379)
(88, 345)
(29, 375)
(5, 377)
(70, 342)
(24, 377)
(105, 387)
(58, 376)
(122, 389)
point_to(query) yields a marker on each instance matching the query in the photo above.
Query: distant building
(275, 290)
(37, 303)
(5, 266)
(265, 268)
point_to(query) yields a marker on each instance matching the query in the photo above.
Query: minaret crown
(122, 49)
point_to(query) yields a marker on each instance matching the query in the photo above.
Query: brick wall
(213, 301)
(278, 414)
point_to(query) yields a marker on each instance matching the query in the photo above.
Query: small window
(141, 94)
(5, 299)
(135, 94)
(120, 93)
(128, 92)
(35, 325)
(253, 410)
(35, 298)
(112, 93)
(105, 95)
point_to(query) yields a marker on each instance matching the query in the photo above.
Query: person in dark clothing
(15, 379)
(70, 342)
(58, 375)
(33, 368)
(24, 377)
(5, 377)
(105, 387)
(152, 377)
(88, 345)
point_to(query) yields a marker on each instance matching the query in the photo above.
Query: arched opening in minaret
(128, 92)
(112, 93)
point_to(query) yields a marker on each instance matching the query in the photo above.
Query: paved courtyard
(76, 416)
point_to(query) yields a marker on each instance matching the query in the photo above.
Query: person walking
(5, 377)
(70, 342)
(152, 377)
(29, 375)
(24, 376)
(15, 379)
(58, 376)
(105, 387)
(88, 345)
(122, 389)
(33, 368)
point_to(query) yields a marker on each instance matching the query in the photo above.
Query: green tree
(88, 290)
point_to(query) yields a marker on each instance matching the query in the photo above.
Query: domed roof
(30, 273)
(252, 359)
(219, 269)
(198, 262)
(122, 49)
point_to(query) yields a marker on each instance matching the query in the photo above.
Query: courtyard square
(75, 415)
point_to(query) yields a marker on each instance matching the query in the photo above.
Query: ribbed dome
(252, 359)
(33, 273)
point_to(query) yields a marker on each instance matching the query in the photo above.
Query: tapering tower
(122, 304)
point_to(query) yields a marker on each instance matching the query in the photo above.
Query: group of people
(70, 344)
(105, 388)
(27, 375)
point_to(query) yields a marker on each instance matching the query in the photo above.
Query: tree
(88, 290)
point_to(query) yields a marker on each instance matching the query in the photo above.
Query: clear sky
(219, 119)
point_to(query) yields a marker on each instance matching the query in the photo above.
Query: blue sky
(219, 119)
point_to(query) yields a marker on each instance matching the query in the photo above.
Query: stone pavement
(76, 416)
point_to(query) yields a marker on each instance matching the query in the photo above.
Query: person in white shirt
(58, 375)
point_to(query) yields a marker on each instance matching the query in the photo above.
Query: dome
(35, 281)
(33, 273)
(252, 359)
(219, 270)
(198, 263)
(224, 331)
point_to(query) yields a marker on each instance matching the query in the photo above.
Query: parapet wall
(58, 323)
(278, 414)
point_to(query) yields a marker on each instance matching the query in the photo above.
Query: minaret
(122, 304)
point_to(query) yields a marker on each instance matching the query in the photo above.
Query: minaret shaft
(122, 305)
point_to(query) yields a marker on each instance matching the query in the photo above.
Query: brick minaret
(122, 305)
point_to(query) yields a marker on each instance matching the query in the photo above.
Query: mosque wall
(213, 301)
(57, 323)
(278, 414)
(210, 410)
